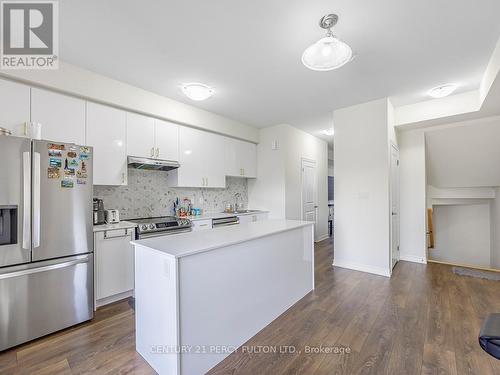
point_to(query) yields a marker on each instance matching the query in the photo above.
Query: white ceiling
(466, 155)
(250, 51)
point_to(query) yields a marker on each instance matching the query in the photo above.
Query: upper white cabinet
(107, 133)
(62, 117)
(140, 135)
(201, 158)
(166, 140)
(240, 158)
(150, 138)
(15, 106)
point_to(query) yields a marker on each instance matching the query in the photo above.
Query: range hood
(152, 164)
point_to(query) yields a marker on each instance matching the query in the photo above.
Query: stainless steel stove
(160, 226)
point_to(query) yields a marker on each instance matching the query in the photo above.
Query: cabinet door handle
(158, 152)
(243, 171)
(106, 237)
(152, 151)
(123, 177)
(207, 181)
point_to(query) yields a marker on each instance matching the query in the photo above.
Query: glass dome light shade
(328, 53)
(197, 91)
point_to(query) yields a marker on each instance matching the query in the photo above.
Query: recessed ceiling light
(197, 91)
(328, 132)
(329, 52)
(442, 91)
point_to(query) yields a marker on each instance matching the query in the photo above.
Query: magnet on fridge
(84, 149)
(84, 156)
(80, 174)
(81, 182)
(55, 153)
(69, 172)
(53, 162)
(72, 148)
(71, 154)
(54, 146)
(67, 183)
(84, 167)
(54, 172)
(73, 163)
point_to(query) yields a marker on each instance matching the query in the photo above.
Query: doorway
(309, 205)
(394, 204)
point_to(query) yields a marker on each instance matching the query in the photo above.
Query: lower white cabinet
(114, 265)
(202, 225)
(253, 217)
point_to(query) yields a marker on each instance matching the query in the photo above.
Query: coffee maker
(98, 211)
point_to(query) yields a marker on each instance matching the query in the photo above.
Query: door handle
(50, 267)
(26, 200)
(152, 152)
(36, 199)
(157, 152)
(106, 237)
(394, 213)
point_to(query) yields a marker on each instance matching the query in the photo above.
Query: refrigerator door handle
(50, 267)
(36, 199)
(26, 200)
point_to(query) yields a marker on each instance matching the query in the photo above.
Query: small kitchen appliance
(112, 216)
(98, 211)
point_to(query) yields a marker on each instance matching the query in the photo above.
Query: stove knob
(151, 226)
(144, 227)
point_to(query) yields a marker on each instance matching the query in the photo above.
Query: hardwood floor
(424, 320)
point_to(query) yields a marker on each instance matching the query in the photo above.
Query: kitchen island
(201, 295)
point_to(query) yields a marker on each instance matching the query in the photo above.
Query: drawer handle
(106, 237)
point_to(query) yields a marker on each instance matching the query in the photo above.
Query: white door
(107, 133)
(394, 205)
(309, 205)
(167, 140)
(62, 117)
(140, 135)
(15, 106)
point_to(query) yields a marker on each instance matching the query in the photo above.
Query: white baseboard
(362, 268)
(115, 298)
(412, 258)
(322, 238)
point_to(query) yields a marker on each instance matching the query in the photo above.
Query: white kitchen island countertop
(185, 244)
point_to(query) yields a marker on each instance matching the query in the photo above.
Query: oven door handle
(142, 236)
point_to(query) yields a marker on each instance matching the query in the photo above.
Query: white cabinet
(240, 158)
(107, 133)
(114, 265)
(140, 135)
(201, 225)
(15, 106)
(253, 217)
(150, 138)
(201, 158)
(62, 117)
(166, 140)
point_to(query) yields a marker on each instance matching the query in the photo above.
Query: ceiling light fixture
(328, 132)
(329, 52)
(197, 91)
(442, 91)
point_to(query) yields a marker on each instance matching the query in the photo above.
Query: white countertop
(217, 215)
(121, 225)
(184, 244)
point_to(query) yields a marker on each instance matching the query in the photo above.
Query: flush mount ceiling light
(442, 91)
(329, 52)
(197, 91)
(328, 132)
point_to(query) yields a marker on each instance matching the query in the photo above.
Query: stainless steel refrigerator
(46, 242)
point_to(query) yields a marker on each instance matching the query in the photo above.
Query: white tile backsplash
(147, 195)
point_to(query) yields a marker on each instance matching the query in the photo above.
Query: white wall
(278, 186)
(82, 83)
(495, 229)
(361, 148)
(413, 244)
(462, 234)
